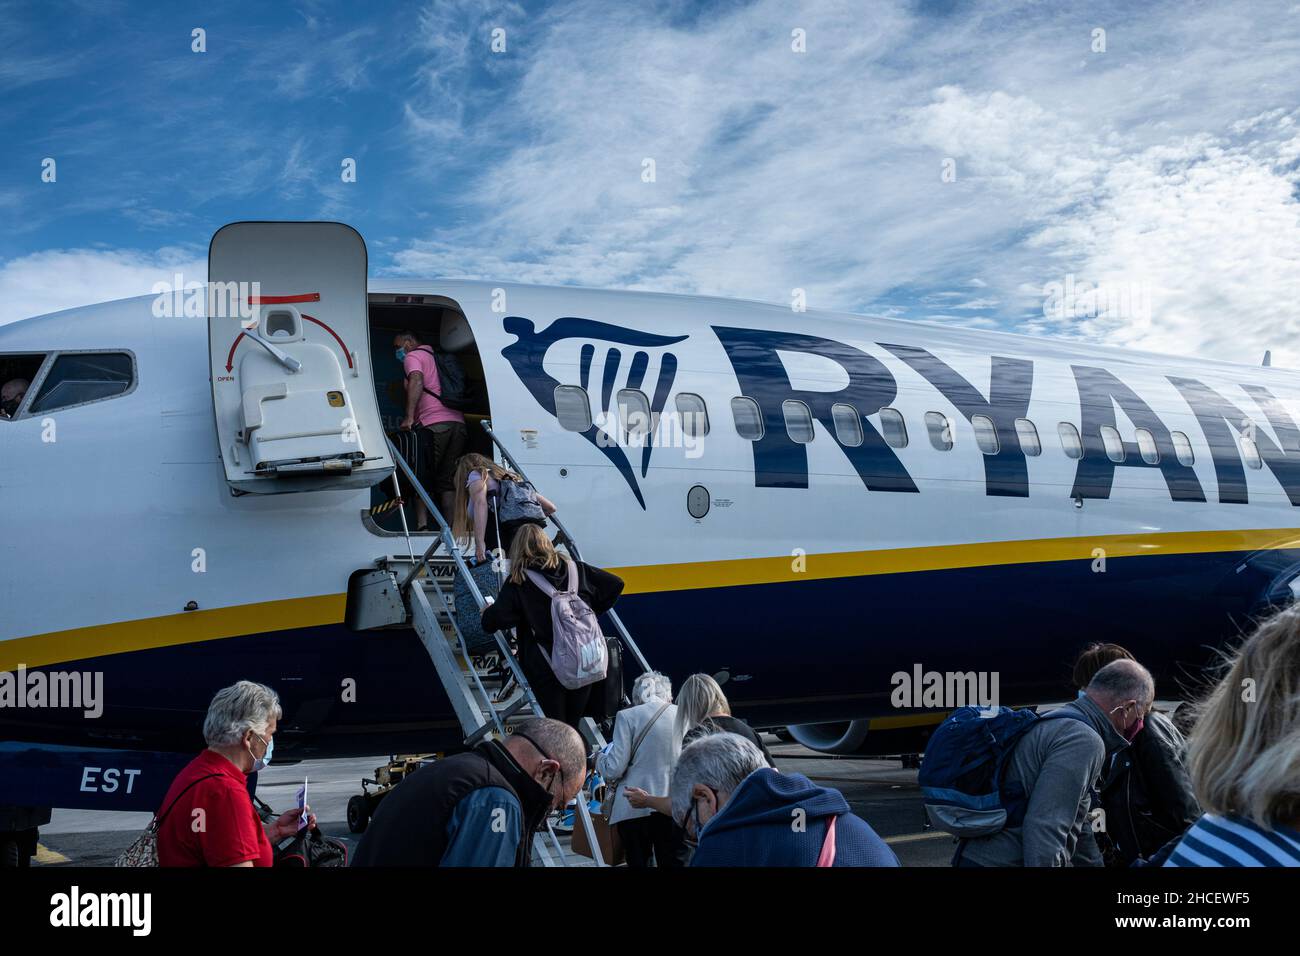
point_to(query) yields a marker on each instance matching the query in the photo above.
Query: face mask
(1132, 731)
(401, 355)
(10, 406)
(1135, 729)
(259, 763)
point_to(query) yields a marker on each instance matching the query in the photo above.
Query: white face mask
(259, 763)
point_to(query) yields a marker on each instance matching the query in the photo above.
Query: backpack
(517, 501)
(578, 653)
(144, 850)
(456, 393)
(962, 776)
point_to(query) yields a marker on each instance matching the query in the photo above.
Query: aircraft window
(1183, 449)
(1070, 442)
(77, 378)
(986, 434)
(798, 421)
(1028, 436)
(749, 420)
(634, 412)
(1147, 446)
(16, 369)
(1249, 450)
(940, 430)
(1113, 443)
(280, 324)
(694, 416)
(893, 427)
(848, 425)
(572, 408)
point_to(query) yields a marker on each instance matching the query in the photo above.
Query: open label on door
(289, 348)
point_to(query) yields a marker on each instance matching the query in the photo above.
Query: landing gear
(361, 807)
(17, 849)
(19, 833)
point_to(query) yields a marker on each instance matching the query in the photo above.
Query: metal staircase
(487, 690)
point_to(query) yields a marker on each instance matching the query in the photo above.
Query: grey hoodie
(1058, 762)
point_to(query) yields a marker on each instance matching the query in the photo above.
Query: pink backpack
(578, 653)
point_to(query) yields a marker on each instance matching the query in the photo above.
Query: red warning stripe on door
(283, 299)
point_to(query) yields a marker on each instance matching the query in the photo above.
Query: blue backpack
(962, 775)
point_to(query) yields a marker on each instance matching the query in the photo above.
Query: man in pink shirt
(440, 430)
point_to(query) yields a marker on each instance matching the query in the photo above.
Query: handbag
(310, 849)
(611, 786)
(144, 850)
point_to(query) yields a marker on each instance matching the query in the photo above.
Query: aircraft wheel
(358, 813)
(10, 852)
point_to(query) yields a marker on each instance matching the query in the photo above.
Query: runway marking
(46, 856)
(917, 837)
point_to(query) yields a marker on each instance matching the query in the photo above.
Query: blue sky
(1164, 163)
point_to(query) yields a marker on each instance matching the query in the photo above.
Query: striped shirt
(1232, 841)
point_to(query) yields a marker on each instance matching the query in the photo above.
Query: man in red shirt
(207, 817)
(440, 430)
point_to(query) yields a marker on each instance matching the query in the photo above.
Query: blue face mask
(401, 355)
(260, 763)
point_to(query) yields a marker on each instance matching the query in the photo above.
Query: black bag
(310, 849)
(606, 698)
(468, 616)
(456, 393)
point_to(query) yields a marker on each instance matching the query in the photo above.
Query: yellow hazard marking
(46, 856)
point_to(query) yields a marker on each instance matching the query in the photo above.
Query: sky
(1122, 173)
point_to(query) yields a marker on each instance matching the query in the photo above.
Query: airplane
(804, 504)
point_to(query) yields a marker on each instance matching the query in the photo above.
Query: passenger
(213, 788)
(1146, 793)
(1244, 756)
(702, 708)
(478, 482)
(479, 808)
(522, 605)
(11, 396)
(642, 755)
(440, 431)
(741, 812)
(1057, 762)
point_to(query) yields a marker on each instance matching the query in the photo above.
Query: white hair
(652, 686)
(719, 761)
(237, 709)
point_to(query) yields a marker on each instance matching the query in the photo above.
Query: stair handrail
(623, 634)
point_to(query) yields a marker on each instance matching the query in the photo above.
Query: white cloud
(1166, 160)
(65, 278)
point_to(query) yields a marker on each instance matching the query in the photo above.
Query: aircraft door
(288, 343)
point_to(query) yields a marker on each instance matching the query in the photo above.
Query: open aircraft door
(289, 357)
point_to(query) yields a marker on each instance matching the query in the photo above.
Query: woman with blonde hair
(702, 708)
(1244, 756)
(479, 503)
(523, 606)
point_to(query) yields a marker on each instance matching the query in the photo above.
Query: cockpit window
(80, 377)
(17, 373)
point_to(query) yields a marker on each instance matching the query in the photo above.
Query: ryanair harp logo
(620, 358)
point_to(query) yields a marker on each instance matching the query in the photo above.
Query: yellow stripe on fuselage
(188, 627)
(194, 626)
(852, 564)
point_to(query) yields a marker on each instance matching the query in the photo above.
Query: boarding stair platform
(487, 687)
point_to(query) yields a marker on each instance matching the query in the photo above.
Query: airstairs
(487, 689)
